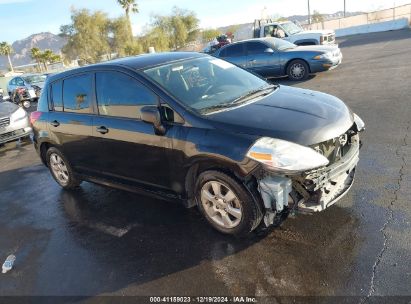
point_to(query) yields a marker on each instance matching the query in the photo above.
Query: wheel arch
(294, 59)
(237, 172)
(44, 146)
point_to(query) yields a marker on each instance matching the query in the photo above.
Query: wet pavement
(100, 241)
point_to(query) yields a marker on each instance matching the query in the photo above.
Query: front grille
(4, 122)
(335, 148)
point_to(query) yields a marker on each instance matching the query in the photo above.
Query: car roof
(269, 40)
(263, 39)
(139, 62)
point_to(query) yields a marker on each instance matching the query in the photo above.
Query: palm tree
(6, 50)
(49, 57)
(36, 55)
(129, 6)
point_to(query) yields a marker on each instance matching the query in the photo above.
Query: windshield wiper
(252, 93)
(216, 107)
(242, 98)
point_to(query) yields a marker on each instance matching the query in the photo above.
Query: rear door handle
(55, 123)
(102, 130)
(253, 60)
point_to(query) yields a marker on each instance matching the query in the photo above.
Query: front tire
(60, 169)
(298, 70)
(226, 204)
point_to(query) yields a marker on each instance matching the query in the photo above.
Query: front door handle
(253, 61)
(102, 130)
(55, 123)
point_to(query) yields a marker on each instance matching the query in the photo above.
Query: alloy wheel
(59, 168)
(221, 204)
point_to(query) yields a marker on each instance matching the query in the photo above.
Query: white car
(14, 122)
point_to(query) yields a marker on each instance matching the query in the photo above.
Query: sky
(21, 18)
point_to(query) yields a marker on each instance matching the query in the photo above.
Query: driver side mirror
(151, 114)
(268, 50)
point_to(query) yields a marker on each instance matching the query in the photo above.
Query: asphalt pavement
(100, 241)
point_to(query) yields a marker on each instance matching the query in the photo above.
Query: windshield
(206, 83)
(291, 28)
(34, 78)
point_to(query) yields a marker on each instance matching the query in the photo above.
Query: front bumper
(15, 130)
(325, 65)
(330, 184)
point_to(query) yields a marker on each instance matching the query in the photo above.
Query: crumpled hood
(7, 108)
(297, 115)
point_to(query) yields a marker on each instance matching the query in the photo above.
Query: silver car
(14, 122)
(33, 83)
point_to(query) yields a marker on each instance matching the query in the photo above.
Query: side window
(256, 48)
(57, 95)
(13, 81)
(235, 50)
(121, 95)
(77, 93)
(269, 30)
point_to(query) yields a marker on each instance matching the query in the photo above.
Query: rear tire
(298, 70)
(226, 204)
(61, 170)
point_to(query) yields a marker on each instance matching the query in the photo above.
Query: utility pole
(309, 17)
(344, 8)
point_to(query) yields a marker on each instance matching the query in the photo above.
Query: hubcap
(221, 204)
(297, 70)
(59, 168)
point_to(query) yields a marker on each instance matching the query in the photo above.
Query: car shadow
(289, 82)
(99, 241)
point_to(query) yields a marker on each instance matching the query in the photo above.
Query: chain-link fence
(399, 12)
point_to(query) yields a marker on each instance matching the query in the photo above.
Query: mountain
(22, 54)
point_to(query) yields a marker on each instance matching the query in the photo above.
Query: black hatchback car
(200, 130)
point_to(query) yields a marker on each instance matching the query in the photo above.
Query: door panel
(125, 147)
(262, 62)
(71, 125)
(130, 150)
(73, 132)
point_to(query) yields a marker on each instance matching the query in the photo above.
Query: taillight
(35, 116)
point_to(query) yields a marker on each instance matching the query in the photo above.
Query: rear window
(77, 92)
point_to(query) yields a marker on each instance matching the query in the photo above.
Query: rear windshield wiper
(252, 93)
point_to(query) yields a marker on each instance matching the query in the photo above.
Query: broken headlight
(359, 123)
(285, 157)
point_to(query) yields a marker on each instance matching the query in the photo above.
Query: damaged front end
(316, 189)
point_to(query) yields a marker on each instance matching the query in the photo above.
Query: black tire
(250, 208)
(72, 182)
(298, 65)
